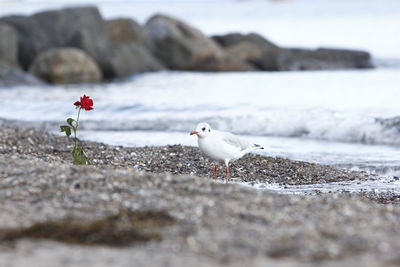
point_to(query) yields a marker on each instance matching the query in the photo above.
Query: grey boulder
(84, 28)
(265, 55)
(125, 30)
(220, 63)
(252, 48)
(65, 66)
(130, 58)
(257, 40)
(13, 76)
(129, 54)
(56, 28)
(323, 59)
(182, 47)
(8, 45)
(254, 55)
(98, 47)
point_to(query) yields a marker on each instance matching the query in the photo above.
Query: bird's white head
(202, 130)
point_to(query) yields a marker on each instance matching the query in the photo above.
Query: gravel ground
(214, 224)
(174, 159)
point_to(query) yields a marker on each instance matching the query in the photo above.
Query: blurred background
(332, 106)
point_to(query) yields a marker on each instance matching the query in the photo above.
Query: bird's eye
(203, 129)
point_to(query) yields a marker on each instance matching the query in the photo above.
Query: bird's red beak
(194, 132)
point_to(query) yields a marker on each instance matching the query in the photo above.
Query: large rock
(254, 55)
(245, 51)
(183, 47)
(132, 58)
(116, 58)
(56, 28)
(84, 28)
(31, 38)
(98, 47)
(129, 54)
(13, 76)
(220, 63)
(257, 40)
(323, 59)
(124, 30)
(66, 65)
(8, 45)
(265, 55)
(252, 48)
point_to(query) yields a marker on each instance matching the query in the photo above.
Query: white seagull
(221, 146)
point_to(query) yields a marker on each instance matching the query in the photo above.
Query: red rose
(86, 103)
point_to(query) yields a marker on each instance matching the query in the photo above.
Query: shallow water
(374, 186)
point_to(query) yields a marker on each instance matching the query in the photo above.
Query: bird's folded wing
(235, 140)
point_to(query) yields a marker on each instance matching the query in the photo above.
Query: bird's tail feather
(258, 146)
(252, 148)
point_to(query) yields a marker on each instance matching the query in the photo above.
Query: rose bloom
(86, 103)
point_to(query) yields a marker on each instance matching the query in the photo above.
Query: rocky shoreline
(76, 45)
(189, 218)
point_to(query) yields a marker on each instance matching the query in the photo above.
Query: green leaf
(70, 121)
(66, 129)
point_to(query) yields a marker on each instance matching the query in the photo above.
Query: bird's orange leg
(215, 171)
(227, 174)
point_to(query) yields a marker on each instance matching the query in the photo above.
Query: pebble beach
(167, 199)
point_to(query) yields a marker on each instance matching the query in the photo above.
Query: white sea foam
(375, 186)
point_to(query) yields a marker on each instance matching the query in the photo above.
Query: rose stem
(76, 127)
